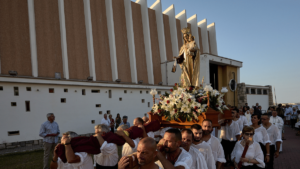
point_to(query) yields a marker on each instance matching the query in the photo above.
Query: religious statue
(189, 60)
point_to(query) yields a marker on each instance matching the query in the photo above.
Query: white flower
(224, 90)
(215, 93)
(153, 92)
(155, 108)
(208, 88)
(185, 109)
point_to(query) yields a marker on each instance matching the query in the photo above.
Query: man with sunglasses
(230, 134)
(275, 138)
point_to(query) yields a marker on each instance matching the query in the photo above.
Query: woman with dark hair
(118, 120)
(253, 157)
(261, 136)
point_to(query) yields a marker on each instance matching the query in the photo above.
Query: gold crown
(186, 30)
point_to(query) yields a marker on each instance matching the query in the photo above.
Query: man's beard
(206, 132)
(141, 163)
(169, 150)
(197, 140)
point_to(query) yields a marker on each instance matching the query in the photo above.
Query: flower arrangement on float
(188, 103)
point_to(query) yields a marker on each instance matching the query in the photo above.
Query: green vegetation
(23, 160)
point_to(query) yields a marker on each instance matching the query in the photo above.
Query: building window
(65, 90)
(98, 105)
(27, 105)
(63, 100)
(147, 92)
(1, 88)
(247, 90)
(95, 91)
(14, 104)
(141, 92)
(93, 121)
(16, 91)
(125, 91)
(253, 91)
(28, 89)
(148, 104)
(83, 91)
(109, 93)
(51, 90)
(100, 112)
(265, 92)
(143, 100)
(13, 133)
(158, 92)
(108, 112)
(120, 98)
(258, 91)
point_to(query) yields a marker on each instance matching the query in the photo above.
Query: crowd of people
(250, 139)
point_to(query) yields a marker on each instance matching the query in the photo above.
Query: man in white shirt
(275, 138)
(146, 155)
(187, 140)
(242, 118)
(75, 160)
(230, 134)
(215, 145)
(278, 122)
(287, 114)
(108, 158)
(202, 146)
(106, 121)
(170, 154)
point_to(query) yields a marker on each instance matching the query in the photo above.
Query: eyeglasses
(249, 134)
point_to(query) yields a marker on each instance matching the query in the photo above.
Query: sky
(263, 34)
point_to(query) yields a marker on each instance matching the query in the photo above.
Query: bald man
(146, 155)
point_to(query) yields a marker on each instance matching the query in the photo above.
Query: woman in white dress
(254, 157)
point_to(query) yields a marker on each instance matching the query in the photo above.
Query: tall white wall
(263, 100)
(203, 25)
(130, 37)
(173, 29)
(194, 28)
(213, 38)
(33, 47)
(89, 38)
(74, 115)
(147, 39)
(182, 17)
(111, 37)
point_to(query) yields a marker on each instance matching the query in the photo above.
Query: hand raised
(124, 161)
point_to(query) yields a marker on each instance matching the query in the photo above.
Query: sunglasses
(248, 134)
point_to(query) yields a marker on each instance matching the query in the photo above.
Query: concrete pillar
(270, 94)
(173, 30)
(33, 47)
(147, 39)
(203, 25)
(130, 37)
(63, 36)
(89, 38)
(182, 17)
(111, 37)
(213, 38)
(204, 68)
(194, 28)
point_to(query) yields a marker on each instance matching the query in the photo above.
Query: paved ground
(290, 156)
(20, 149)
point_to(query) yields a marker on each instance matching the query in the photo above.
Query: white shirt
(244, 121)
(240, 123)
(261, 135)
(162, 131)
(127, 149)
(254, 152)
(106, 122)
(157, 133)
(248, 116)
(274, 134)
(277, 121)
(205, 149)
(184, 159)
(151, 134)
(288, 110)
(198, 159)
(230, 132)
(108, 156)
(217, 149)
(86, 162)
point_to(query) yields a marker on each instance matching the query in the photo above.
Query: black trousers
(293, 122)
(228, 147)
(106, 167)
(263, 148)
(270, 164)
(254, 166)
